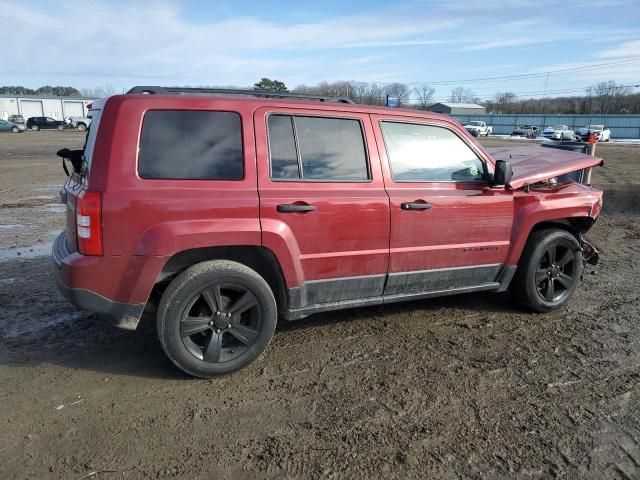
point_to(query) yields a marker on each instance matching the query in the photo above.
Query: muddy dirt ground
(462, 387)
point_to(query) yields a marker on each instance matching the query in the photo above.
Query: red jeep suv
(220, 210)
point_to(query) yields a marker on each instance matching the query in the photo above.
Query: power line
(527, 76)
(536, 92)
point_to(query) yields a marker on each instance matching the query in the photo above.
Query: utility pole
(544, 96)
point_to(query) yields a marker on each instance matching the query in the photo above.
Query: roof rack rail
(151, 90)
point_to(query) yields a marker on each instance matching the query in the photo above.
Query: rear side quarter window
(191, 145)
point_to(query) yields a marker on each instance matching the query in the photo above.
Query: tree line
(602, 98)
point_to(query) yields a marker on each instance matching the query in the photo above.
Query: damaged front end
(590, 253)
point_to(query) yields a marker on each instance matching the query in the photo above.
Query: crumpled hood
(536, 164)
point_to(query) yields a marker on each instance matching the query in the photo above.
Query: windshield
(476, 124)
(558, 127)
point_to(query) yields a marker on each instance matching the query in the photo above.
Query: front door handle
(415, 206)
(294, 207)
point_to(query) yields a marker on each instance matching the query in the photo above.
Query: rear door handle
(294, 207)
(415, 206)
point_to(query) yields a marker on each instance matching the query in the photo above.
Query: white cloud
(94, 42)
(135, 42)
(626, 49)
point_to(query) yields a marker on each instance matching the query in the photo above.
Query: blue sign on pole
(392, 100)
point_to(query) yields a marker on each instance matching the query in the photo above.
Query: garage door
(73, 109)
(31, 108)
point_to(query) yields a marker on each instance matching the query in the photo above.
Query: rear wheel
(549, 270)
(82, 127)
(35, 128)
(15, 129)
(215, 318)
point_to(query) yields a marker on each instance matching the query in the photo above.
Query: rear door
(449, 228)
(322, 203)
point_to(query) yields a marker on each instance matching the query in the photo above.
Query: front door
(324, 210)
(449, 229)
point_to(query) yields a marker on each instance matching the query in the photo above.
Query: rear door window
(191, 144)
(317, 149)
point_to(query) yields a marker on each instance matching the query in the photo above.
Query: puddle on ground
(54, 207)
(11, 226)
(38, 250)
(33, 327)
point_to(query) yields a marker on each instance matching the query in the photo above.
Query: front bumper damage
(590, 253)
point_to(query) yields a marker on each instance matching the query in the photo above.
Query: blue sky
(122, 43)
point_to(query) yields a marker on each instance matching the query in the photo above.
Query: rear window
(317, 149)
(92, 133)
(187, 144)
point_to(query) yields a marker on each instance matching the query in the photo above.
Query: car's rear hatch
(535, 164)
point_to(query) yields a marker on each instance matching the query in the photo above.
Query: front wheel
(215, 318)
(82, 127)
(549, 270)
(60, 127)
(15, 130)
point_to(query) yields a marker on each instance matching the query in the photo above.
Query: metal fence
(622, 126)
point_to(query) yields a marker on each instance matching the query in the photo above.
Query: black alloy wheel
(216, 317)
(220, 322)
(556, 273)
(549, 270)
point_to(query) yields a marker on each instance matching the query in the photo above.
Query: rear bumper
(123, 315)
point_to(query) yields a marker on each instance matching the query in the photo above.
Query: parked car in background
(478, 129)
(44, 123)
(81, 123)
(6, 126)
(603, 134)
(559, 132)
(527, 131)
(17, 119)
(229, 228)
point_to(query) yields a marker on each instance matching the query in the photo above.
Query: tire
(81, 127)
(35, 128)
(60, 127)
(198, 328)
(537, 270)
(15, 130)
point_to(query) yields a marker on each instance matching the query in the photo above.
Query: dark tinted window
(191, 145)
(329, 149)
(282, 147)
(423, 153)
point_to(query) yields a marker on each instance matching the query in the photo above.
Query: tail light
(89, 223)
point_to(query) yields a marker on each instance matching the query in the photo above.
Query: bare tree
(610, 95)
(462, 95)
(400, 90)
(503, 101)
(98, 92)
(424, 94)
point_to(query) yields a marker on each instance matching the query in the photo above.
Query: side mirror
(503, 174)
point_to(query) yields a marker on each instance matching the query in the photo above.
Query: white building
(43, 106)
